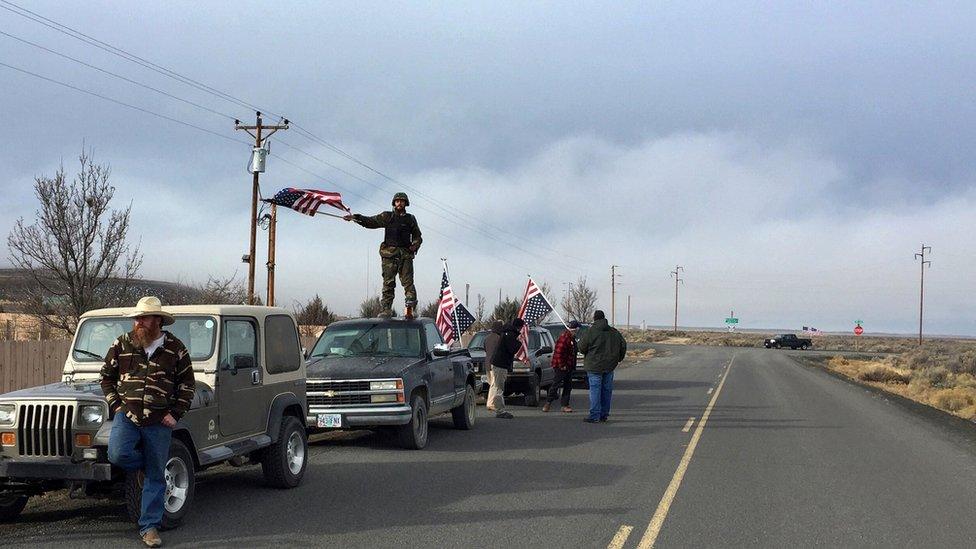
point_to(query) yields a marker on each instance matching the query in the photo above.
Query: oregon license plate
(329, 420)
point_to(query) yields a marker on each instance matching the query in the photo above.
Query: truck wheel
(534, 392)
(180, 484)
(463, 415)
(413, 435)
(11, 506)
(283, 463)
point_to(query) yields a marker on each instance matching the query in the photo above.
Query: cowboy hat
(151, 306)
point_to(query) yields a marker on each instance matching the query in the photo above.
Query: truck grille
(45, 429)
(338, 400)
(340, 386)
(339, 392)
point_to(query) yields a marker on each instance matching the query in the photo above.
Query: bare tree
(313, 315)
(76, 253)
(580, 301)
(371, 307)
(479, 310)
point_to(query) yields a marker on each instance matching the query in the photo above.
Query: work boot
(546, 406)
(408, 312)
(151, 538)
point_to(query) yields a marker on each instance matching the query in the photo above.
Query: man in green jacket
(603, 348)
(401, 241)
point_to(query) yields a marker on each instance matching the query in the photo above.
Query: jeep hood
(352, 367)
(59, 390)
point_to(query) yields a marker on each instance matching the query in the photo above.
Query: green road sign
(731, 320)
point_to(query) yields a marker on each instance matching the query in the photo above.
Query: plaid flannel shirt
(564, 355)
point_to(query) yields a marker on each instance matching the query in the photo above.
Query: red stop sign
(858, 330)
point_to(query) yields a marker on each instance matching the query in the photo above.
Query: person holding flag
(401, 242)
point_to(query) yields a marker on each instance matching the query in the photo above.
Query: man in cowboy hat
(399, 247)
(148, 383)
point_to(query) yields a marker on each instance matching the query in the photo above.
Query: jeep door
(238, 388)
(441, 371)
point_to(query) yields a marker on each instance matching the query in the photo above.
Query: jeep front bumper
(11, 469)
(363, 416)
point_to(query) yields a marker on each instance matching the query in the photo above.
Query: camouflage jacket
(148, 387)
(381, 221)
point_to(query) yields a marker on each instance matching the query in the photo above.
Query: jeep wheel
(180, 484)
(11, 506)
(463, 415)
(283, 463)
(533, 394)
(413, 435)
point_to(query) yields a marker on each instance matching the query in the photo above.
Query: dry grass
(641, 354)
(934, 385)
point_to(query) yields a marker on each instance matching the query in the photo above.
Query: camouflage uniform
(148, 388)
(397, 251)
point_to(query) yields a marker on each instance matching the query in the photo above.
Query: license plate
(329, 420)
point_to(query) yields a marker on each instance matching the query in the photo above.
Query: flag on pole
(307, 201)
(453, 318)
(534, 307)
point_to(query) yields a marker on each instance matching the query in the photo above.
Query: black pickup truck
(374, 373)
(787, 340)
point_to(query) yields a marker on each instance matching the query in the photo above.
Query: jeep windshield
(373, 339)
(477, 342)
(96, 335)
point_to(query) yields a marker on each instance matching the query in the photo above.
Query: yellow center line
(687, 427)
(620, 538)
(657, 521)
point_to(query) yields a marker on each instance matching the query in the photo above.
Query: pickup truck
(787, 340)
(529, 379)
(249, 407)
(388, 373)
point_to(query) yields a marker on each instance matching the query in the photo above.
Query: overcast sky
(791, 159)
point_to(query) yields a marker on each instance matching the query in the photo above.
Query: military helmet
(400, 196)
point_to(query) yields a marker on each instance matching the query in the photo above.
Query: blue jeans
(601, 390)
(151, 457)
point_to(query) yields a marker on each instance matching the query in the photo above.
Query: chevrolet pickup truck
(787, 340)
(374, 373)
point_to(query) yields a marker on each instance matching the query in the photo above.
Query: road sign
(731, 320)
(858, 330)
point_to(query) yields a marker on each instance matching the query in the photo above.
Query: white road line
(710, 389)
(687, 427)
(620, 538)
(657, 521)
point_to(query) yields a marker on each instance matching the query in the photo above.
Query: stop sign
(858, 330)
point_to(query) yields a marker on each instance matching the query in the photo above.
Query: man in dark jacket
(603, 348)
(563, 366)
(501, 365)
(491, 343)
(401, 241)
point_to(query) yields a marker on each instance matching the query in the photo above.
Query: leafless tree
(580, 301)
(479, 310)
(76, 253)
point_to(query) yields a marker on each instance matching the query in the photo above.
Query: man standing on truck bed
(399, 247)
(148, 383)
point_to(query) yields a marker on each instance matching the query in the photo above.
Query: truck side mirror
(543, 351)
(441, 349)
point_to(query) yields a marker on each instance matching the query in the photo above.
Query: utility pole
(677, 279)
(613, 294)
(257, 166)
(467, 291)
(921, 291)
(628, 311)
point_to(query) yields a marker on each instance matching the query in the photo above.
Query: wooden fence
(29, 363)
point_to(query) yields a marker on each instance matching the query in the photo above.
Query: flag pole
(328, 214)
(559, 316)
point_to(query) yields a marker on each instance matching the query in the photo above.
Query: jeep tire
(464, 414)
(413, 435)
(11, 506)
(283, 463)
(180, 484)
(533, 393)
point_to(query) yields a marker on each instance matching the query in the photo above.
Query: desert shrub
(953, 400)
(934, 377)
(963, 363)
(883, 374)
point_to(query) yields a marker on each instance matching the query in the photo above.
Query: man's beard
(400, 209)
(143, 337)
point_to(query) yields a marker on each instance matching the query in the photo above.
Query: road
(787, 456)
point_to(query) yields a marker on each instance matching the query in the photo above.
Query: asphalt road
(788, 456)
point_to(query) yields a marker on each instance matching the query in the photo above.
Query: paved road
(788, 456)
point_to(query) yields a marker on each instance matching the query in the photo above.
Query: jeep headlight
(91, 414)
(7, 414)
(390, 385)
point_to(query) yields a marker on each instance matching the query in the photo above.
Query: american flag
(449, 310)
(307, 201)
(534, 307)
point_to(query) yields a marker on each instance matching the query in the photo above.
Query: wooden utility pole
(677, 279)
(921, 290)
(613, 294)
(272, 226)
(628, 311)
(256, 131)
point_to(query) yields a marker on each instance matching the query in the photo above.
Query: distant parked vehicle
(787, 340)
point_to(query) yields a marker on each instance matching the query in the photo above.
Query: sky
(791, 159)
